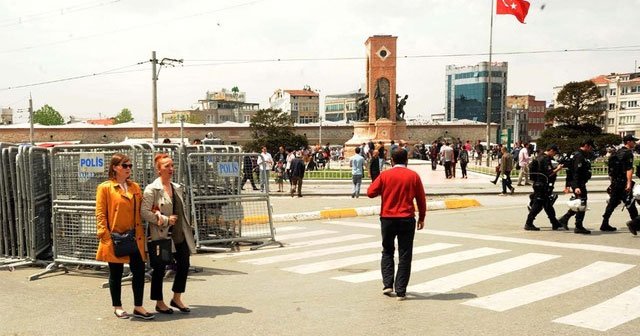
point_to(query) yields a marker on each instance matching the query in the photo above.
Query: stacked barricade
(221, 213)
(25, 197)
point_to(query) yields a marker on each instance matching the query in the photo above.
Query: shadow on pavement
(198, 311)
(443, 297)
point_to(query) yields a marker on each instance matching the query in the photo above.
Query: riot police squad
(543, 172)
(578, 174)
(620, 175)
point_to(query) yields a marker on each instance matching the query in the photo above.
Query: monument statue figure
(362, 108)
(400, 108)
(382, 98)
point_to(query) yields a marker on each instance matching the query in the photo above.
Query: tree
(273, 128)
(123, 117)
(569, 137)
(578, 103)
(235, 89)
(47, 115)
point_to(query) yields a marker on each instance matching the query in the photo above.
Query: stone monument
(381, 122)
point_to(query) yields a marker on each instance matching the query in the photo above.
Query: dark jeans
(618, 195)
(181, 257)
(447, 169)
(463, 167)
(404, 229)
(296, 183)
(453, 168)
(434, 163)
(248, 176)
(579, 215)
(136, 265)
(506, 182)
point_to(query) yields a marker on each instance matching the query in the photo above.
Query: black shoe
(531, 228)
(145, 316)
(182, 309)
(256, 189)
(494, 182)
(607, 228)
(632, 228)
(555, 227)
(581, 230)
(164, 311)
(564, 222)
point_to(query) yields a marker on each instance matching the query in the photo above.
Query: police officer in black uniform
(621, 184)
(578, 174)
(543, 177)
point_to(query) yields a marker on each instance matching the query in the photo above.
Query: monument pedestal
(383, 130)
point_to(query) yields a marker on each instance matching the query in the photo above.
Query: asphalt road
(475, 272)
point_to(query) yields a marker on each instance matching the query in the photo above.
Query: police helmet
(576, 204)
(636, 192)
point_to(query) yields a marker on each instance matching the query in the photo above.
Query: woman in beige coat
(164, 209)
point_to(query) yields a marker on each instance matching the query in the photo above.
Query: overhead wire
(16, 21)
(84, 37)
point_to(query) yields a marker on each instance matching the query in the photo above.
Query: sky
(318, 43)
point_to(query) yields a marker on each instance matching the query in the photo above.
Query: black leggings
(137, 284)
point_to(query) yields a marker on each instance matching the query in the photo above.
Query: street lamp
(320, 132)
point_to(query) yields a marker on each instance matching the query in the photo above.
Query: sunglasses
(126, 165)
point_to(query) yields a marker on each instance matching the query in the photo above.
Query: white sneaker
(387, 291)
(401, 298)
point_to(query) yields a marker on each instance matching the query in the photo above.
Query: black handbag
(159, 252)
(124, 244)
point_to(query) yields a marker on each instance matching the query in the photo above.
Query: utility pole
(31, 119)
(154, 78)
(489, 90)
(154, 103)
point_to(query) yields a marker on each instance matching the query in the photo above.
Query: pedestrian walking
(523, 162)
(578, 174)
(446, 154)
(118, 203)
(374, 166)
(506, 165)
(163, 207)
(621, 174)
(356, 162)
(433, 155)
(265, 163)
(463, 157)
(398, 188)
(248, 168)
(479, 148)
(297, 174)
(543, 175)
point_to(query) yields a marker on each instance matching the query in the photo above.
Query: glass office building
(467, 91)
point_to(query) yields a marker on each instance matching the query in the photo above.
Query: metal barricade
(220, 212)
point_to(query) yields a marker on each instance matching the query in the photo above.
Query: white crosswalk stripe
(304, 234)
(288, 229)
(479, 274)
(311, 254)
(425, 264)
(296, 245)
(337, 263)
(520, 296)
(609, 314)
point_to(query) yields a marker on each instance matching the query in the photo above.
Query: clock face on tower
(383, 53)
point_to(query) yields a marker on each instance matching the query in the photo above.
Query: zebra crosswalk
(325, 252)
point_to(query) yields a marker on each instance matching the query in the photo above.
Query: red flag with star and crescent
(518, 8)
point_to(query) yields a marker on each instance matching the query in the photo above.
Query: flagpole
(489, 88)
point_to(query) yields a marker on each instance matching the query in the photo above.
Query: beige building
(302, 105)
(217, 107)
(6, 117)
(341, 106)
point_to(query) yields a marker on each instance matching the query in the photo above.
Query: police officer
(621, 183)
(543, 175)
(578, 174)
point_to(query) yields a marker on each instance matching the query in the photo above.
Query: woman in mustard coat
(118, 202)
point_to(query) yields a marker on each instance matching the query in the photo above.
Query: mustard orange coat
(122, 210)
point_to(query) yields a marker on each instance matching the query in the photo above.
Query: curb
(454, 203)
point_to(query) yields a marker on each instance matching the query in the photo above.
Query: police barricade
(8, 239)
(221, 213)
(76, 172)
(26, 206)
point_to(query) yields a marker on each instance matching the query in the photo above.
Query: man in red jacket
(398, 187)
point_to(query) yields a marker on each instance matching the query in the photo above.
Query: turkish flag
(519, 8)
